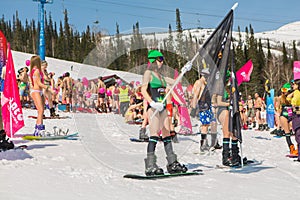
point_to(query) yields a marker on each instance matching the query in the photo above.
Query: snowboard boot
(203, 145)
(39, 130)
(103, 107)
(142, 134)
(266, 127)
(151, 168)
(52, 113)
(280, 133)
(214, 142)
(235, 157)
(226, 157)
(245, 127)
(173, 165)
(293, 151)
(4, 143)
(274, 132)
(2, 135)
(217, 146)
(254, 124)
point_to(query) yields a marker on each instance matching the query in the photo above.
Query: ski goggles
(160, 59)
(284, 89)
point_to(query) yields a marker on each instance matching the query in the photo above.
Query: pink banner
(296, 70)
(244, 73)
(185, 120)
(11, 106)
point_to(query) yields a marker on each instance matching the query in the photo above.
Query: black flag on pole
(214, 55)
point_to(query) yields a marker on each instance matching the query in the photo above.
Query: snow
(92, 167)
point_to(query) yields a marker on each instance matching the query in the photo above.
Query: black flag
(214, 55)
(235, 124)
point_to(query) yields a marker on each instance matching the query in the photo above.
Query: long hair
(35, 61)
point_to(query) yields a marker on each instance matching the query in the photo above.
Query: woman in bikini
(154, 90)
(36, 92)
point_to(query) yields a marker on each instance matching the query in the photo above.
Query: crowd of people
(150, 104)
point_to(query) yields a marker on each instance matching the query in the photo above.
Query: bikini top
(157, 88)
(41, 76)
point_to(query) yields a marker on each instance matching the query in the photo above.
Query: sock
(234, 144)
(152, 144)
(288, 139)
(226, 144)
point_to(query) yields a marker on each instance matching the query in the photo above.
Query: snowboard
(58, 117)
(134, 122)
(137, 140)
(291, 156)
(246, 163)
(22, 147)
(166, 175)
(84, 110)
(55, 137)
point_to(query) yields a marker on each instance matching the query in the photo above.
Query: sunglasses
(160, 59)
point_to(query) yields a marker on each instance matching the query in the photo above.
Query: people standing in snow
(67, 90)
(202, 97)
(47, 93)
(36, 92)
(294, 98)
(154, 90)
(230, 154)
(257, 107)
(285, 116)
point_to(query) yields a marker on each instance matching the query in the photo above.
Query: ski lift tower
(42, 26)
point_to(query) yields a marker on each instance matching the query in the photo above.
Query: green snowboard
(31, 137)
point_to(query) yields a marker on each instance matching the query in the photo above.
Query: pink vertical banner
(296, 70)
(12, 114)
(185, 120)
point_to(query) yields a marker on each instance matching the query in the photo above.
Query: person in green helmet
(285, 118)
(294, 98)
(154, 90)
(230, 153)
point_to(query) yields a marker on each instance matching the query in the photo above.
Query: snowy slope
(79, 70)
(93, 166)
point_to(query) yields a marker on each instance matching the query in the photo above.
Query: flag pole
(176, 82)
(241, 147)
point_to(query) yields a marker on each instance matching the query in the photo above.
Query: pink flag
(243, 74)
(296, 70)
(11, 106)
(185, 120)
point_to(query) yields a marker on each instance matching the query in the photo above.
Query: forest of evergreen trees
(114, 52)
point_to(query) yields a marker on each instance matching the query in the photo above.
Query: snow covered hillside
(92, 167)
(287, 33)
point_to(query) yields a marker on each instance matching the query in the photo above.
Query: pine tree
(286, 70)
(179, 40)
(270, 70)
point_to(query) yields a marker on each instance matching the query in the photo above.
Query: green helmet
(153, 54)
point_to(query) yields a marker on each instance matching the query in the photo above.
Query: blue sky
(263, 15)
